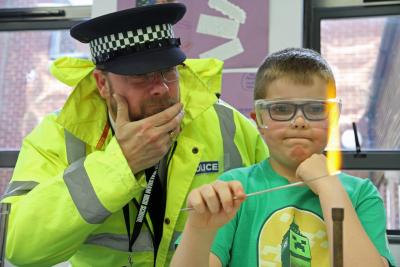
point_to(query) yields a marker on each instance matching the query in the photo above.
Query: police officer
(102, 182)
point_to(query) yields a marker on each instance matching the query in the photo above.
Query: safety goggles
(284, 110)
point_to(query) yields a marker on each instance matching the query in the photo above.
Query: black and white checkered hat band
(161, 35)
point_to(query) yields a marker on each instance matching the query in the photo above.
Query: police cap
(134, 41)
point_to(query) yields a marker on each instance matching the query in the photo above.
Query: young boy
(291, 227)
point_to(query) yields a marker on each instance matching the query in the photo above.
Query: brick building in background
(27, 89)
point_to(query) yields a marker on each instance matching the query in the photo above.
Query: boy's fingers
(211, 198)
(237, 189)
(122, 115)
(238, 192)
(225, 195)
(196, 201)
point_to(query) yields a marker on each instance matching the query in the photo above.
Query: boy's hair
(297, 64)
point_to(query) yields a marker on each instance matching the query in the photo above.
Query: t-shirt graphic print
(293, 237)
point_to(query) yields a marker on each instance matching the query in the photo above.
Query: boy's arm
(194, 249)
(213, 206)
(357, 247)
(359, 250)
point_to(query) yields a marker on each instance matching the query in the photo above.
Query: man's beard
(150, 107)
(147, 107)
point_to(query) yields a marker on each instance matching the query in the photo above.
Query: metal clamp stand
(4, 212)
(337, 217)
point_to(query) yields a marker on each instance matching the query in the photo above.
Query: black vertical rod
(337, 217)
(358, 147)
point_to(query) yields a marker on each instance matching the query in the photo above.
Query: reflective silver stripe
(232, 158)
(17, 188)
(175, 236)
(78, 182)
(75, 150)
(75, 147)
(83, 194)
(143, 243)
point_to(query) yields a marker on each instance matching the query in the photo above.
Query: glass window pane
(365, 58)
(388, 184)
(43, 3)
(27, 89)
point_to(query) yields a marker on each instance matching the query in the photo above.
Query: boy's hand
(314, 172)
(213, 204)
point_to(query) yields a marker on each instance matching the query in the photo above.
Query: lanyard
(154, 174)
(142, 210)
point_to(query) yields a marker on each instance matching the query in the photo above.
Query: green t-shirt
(286, 227)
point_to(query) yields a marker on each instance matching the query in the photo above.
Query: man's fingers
(165, 116)
(173, 127)
(122, 110)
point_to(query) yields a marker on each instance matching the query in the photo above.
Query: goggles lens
(286, 110)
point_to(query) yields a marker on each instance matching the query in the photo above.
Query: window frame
(313, 13)
(368, 159)
(38, 18)
(8, 158)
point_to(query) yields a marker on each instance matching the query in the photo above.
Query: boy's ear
(253, 116)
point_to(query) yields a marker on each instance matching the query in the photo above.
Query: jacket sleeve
(57, 202)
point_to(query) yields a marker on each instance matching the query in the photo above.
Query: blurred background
(359, 39)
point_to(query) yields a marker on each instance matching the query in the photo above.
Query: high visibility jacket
(71, 179)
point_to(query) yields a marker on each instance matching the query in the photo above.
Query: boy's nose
(299, 121)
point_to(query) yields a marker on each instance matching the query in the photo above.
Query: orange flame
(333, 148)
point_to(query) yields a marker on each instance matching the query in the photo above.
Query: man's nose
(159, 87)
